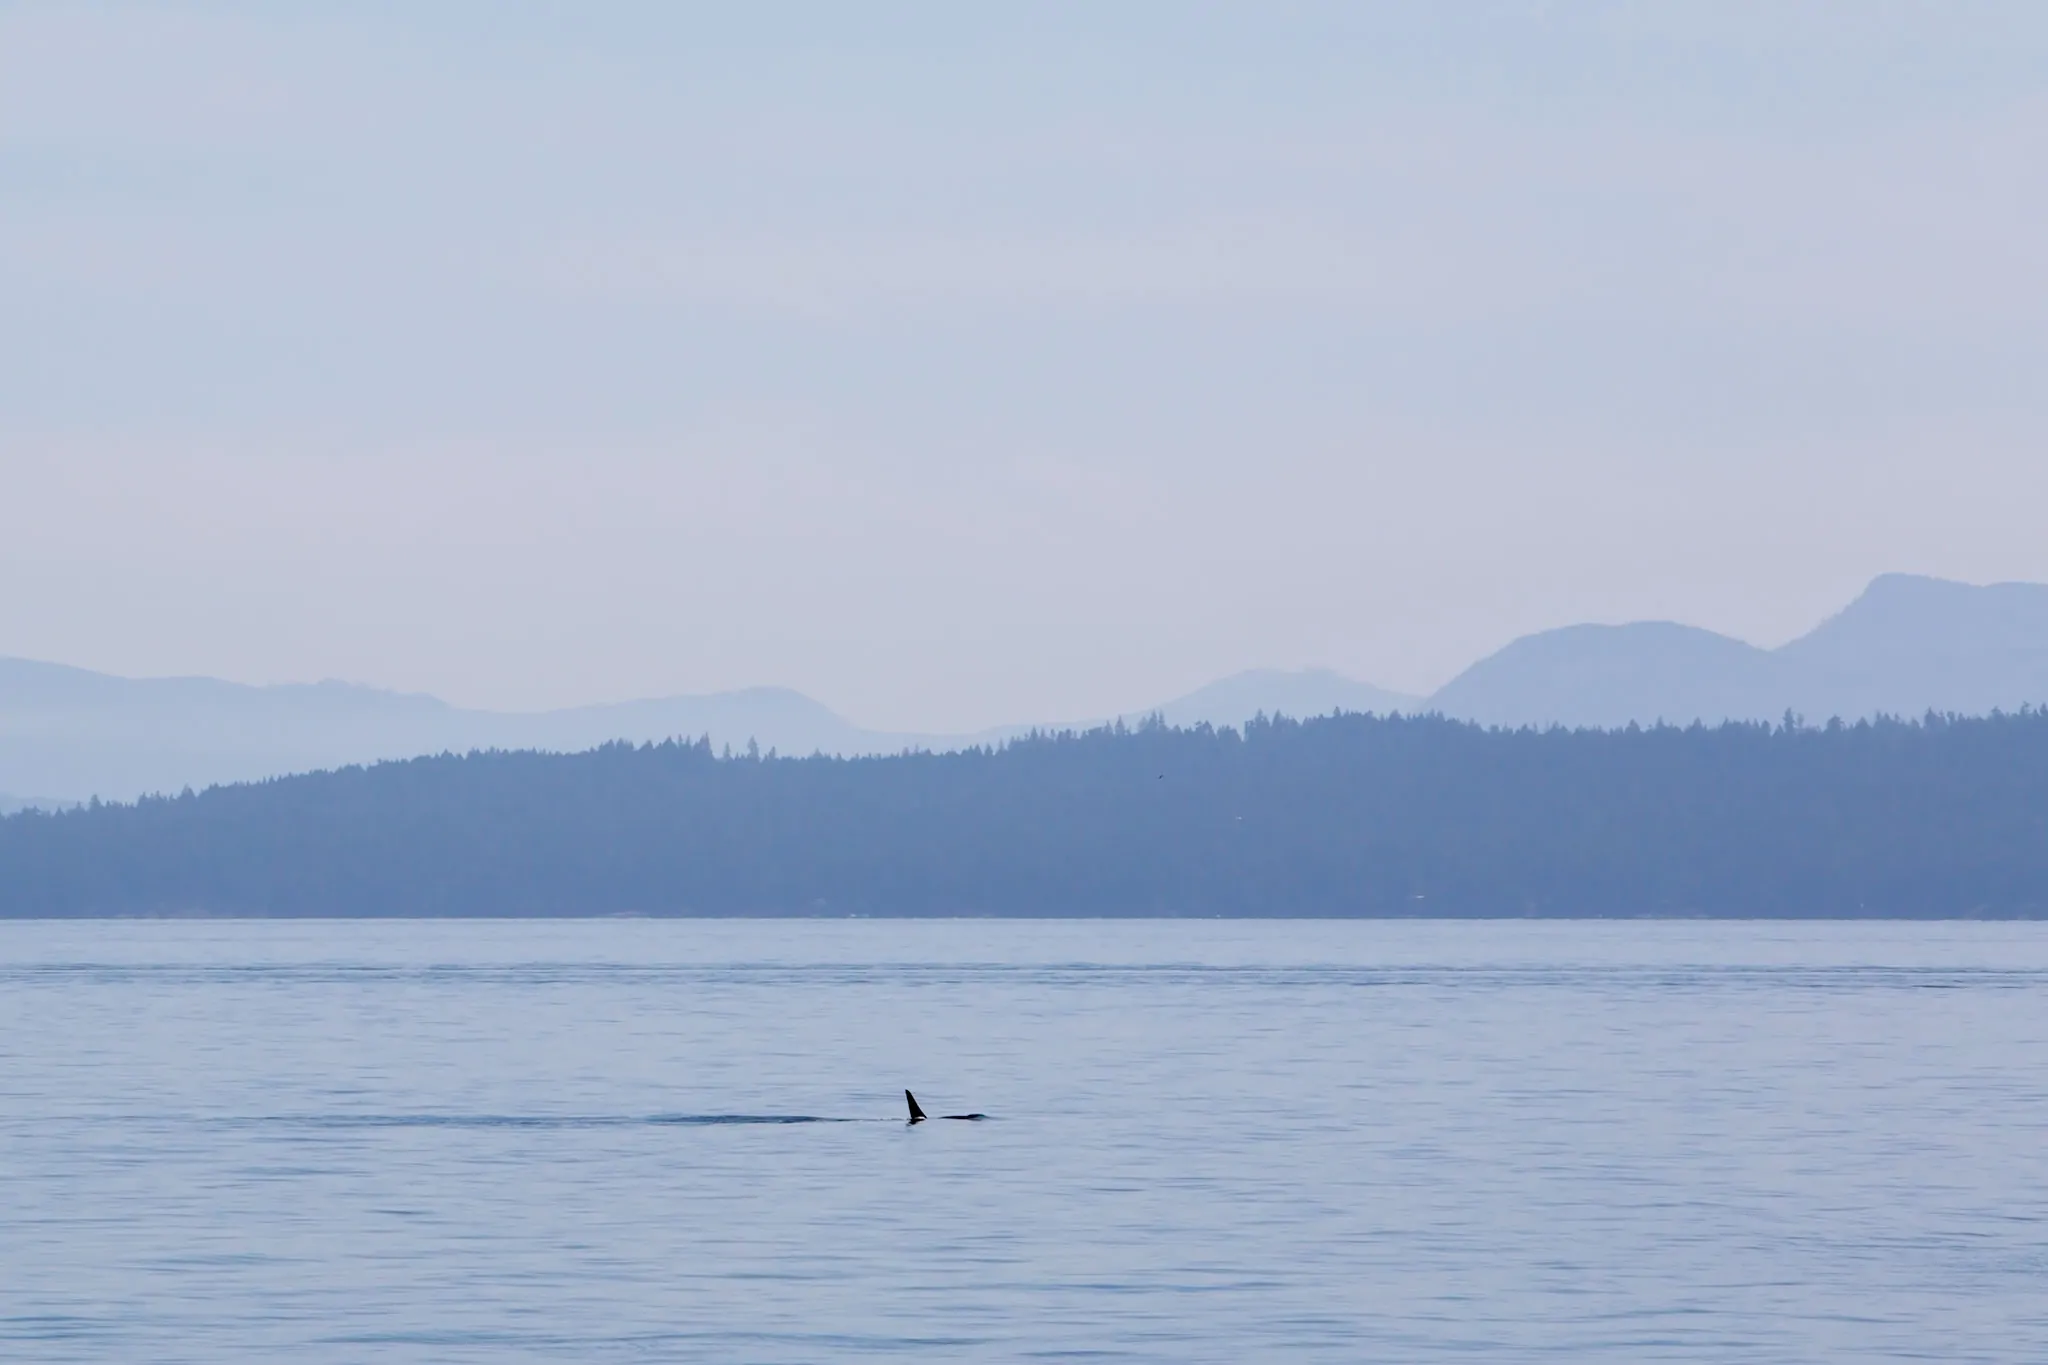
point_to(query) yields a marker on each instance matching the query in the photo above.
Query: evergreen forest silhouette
(1347, 815)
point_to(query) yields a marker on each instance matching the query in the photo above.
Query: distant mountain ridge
(76, 733)
(1905, 646)
(68, 733)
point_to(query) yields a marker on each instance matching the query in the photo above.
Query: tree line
(1347, 815)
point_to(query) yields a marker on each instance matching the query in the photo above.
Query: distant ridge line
(1905, 646)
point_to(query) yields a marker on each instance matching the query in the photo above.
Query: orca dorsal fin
(916, 1114)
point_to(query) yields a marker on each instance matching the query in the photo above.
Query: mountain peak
(1910, 614)
(1609, 675)
(1907, 644)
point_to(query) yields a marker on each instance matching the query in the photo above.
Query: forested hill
(1350, 815)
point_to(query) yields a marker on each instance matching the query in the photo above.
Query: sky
(964, 365)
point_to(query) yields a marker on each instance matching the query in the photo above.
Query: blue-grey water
(1209, 1141)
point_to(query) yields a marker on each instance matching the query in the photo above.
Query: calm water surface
(1223, 1141)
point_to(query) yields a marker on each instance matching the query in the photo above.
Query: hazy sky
(962, 364)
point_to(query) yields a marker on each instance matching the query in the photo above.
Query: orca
(918, 1115)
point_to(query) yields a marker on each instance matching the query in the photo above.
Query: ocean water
(1208, 1141)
